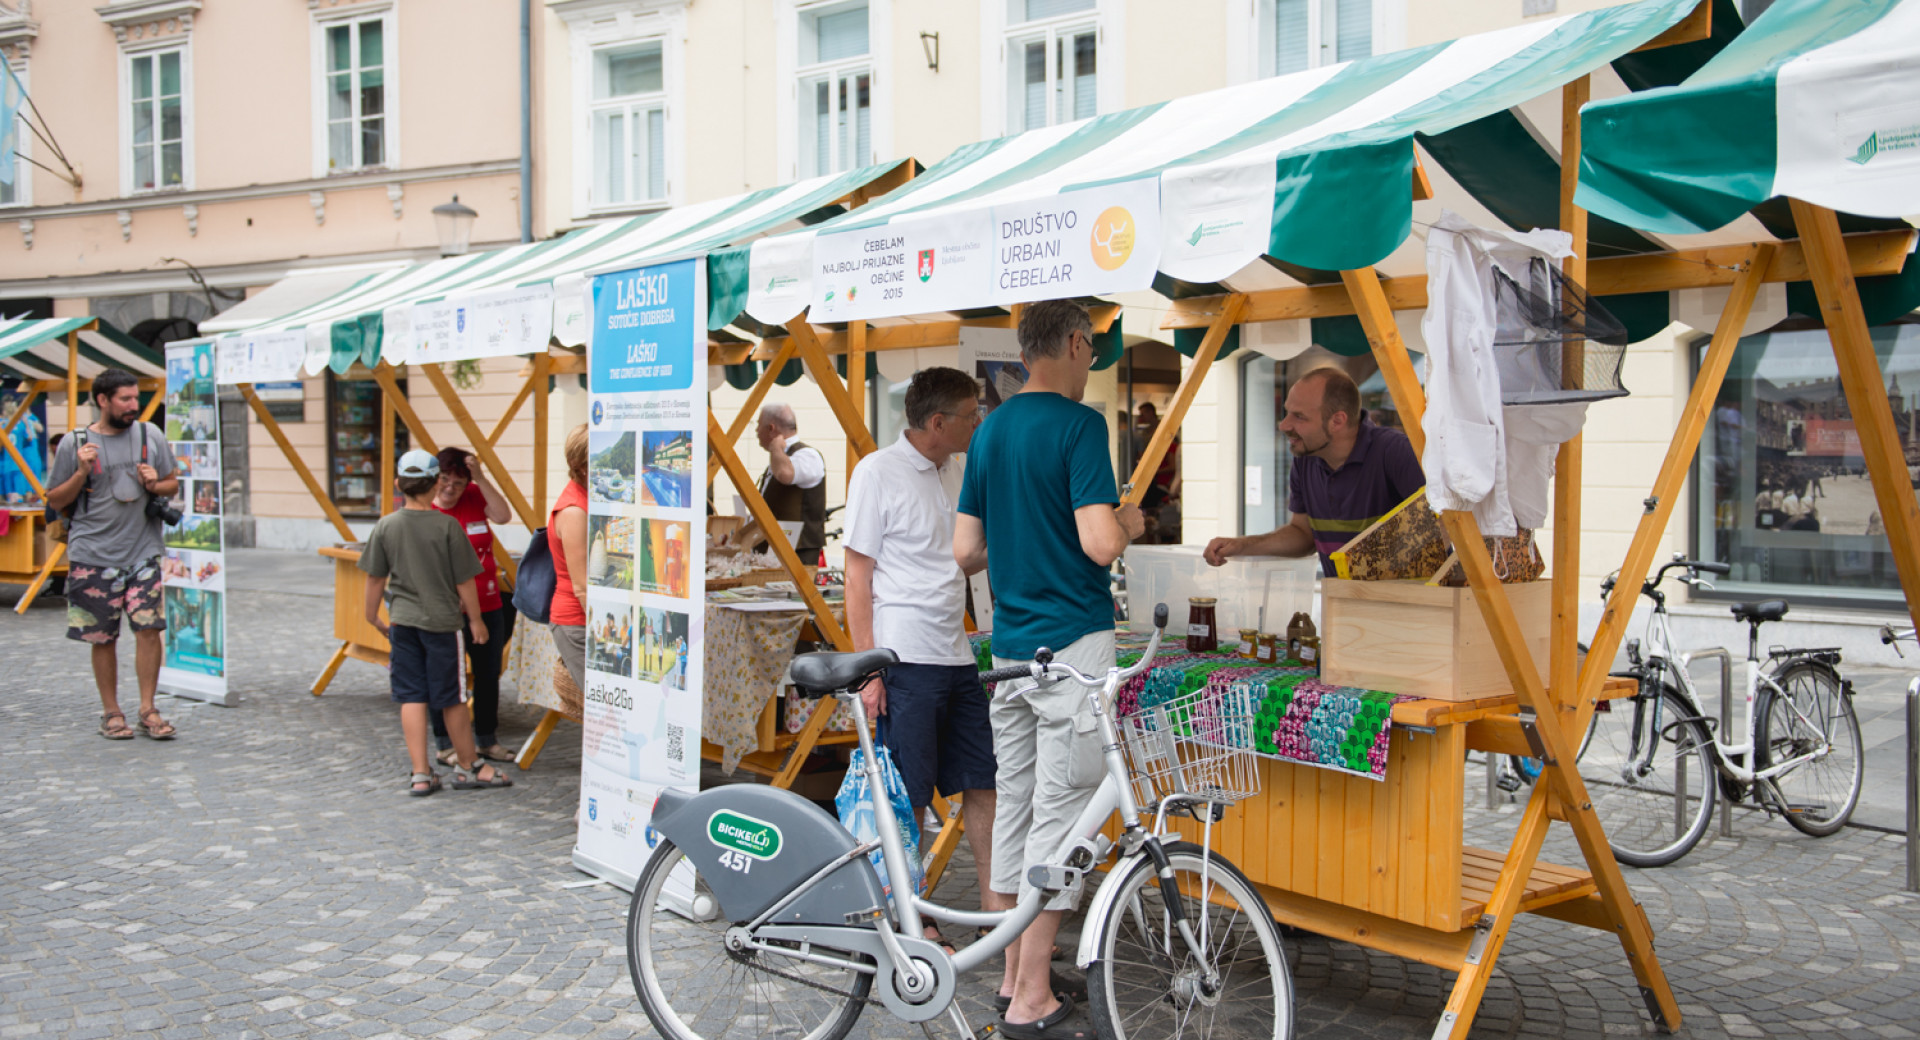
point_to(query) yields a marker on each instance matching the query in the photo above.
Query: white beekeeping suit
(1480, 457)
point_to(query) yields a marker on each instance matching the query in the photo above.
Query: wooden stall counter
(27, 556)
(1384, 863)
(358, 639)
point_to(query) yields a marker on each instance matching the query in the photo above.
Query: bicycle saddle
(818, 675)
(1763, 610)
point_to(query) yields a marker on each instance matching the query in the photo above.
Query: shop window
(1053, 55)
(357, 93)
(353, 444)
(629, 116)
(1781, 489)
(835, 90)
(1266, 462)
(156, 120)
(1306, 34)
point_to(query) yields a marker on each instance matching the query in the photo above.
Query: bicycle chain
(756, 964)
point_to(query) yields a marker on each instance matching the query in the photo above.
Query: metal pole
(1913, 785)
(1493, 778)
(1679, 790)
(1726, 720)
(526, 120)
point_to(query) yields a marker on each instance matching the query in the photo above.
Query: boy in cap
(423, 558)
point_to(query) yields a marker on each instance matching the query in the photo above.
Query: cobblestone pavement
(266, 876)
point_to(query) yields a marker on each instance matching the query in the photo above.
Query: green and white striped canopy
(36, 348)
(1276, 182)
(509, 301)
(1818, 100)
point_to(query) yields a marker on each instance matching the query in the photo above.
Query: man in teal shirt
(1038, 510)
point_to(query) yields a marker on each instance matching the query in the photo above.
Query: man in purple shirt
(1349, 473)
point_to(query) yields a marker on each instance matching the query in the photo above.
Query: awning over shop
(454, 308)
(292, 293)
(36, 348)
(1279, 182)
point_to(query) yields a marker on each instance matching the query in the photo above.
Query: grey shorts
(1047, 743)
(571, 642)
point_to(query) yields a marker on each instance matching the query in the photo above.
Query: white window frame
(877, 63)
(182, 43)
(23, 143)
(595, 25)
(1250, 53)
(631, 106)
(388, 15)
(1108, 21)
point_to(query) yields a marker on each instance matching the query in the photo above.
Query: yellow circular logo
(1112, 240)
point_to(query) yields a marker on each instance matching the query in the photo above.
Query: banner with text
(261, 357)
(1081, 243)
(193, 564)
(646, 545)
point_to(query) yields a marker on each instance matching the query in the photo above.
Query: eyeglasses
(973, 417)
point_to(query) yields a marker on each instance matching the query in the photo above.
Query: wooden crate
(1423, 640)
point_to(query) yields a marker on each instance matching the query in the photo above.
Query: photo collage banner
(646, 573)
(193, 566)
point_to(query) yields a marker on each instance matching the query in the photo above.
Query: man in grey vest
(795, 483)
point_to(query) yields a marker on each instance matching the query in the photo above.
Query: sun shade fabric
(1816, 100)
(355, 325)
(36, 348)
(1313, 168)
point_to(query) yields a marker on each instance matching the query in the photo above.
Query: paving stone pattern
(266, 876)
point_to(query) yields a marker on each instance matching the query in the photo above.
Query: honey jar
(1203, 633)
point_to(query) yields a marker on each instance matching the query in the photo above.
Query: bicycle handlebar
(1043, 665)
(1694, 569)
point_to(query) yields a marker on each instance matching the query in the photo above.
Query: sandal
(497, 753)
(421, 785)
(932, 934)
(114, 732)
(1065, 988)
(447, 757)
(1048, 1027)
(158, 729)
(468, 778)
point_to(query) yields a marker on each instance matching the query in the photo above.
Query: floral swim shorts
(97, 596)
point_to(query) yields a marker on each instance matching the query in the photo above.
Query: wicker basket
(572, 703)
(763, 576)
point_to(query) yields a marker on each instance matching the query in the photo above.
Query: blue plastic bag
(855, 805)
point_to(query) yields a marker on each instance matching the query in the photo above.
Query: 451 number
(739, 861)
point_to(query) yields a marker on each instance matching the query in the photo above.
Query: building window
(156, 117)
(357, 93)
(835, 90)
(629, 115)
(1782, 493)
(19, 193)
(1053, 56)
(1306, 34)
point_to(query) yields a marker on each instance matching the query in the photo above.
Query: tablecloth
(746, 654)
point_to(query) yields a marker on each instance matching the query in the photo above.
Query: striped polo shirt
(1340, 503)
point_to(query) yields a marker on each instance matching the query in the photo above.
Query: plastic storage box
(1173, 574)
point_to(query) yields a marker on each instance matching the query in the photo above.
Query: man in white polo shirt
(905, 593)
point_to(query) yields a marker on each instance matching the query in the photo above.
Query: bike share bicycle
(1651, 761)
(758, 914)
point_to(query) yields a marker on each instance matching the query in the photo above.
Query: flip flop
(414, 783)
(109, 731)
(1049, 1027)
(468, 778)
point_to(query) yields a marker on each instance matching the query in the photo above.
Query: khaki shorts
(1047, 743)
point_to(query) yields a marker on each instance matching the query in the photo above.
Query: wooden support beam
(879, 186)
(776, 538)
(1502, 907)
(404, 406)
(1671, 478)
(385, 490)
(1866, 389)
(542, 364)
(513, 409)
(531, 749)
(879, 339)
(1369, 299)
(856, 384)
(294, 461)
(1695, 27)
(831, 387)
(1163, 434)
(332, 668)
(54, 556)
(751, 408)
(1564, 629)
(26, 402)
(502, 477)
(568, 364)
(1871, 253)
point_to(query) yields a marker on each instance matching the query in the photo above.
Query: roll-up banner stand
(193, 565)
(646, 581)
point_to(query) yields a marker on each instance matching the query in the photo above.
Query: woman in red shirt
(469, 498)
(567, 541)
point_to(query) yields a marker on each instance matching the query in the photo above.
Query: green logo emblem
(1199, 232)
(778, 282)
(756, 838)
(1867, 150)
(1204, 230)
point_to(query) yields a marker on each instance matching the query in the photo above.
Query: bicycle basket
(1199, 744)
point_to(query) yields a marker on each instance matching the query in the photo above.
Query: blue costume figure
(26, 436)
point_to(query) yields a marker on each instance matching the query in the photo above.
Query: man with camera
(111, 481)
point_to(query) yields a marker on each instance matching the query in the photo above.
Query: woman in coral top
(567, 540)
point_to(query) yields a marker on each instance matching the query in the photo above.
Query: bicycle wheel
(1146, 982)
(1649, 773)
(693, 988)
(1814, 714)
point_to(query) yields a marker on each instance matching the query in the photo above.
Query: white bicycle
(759, 915)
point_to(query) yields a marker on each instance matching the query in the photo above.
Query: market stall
(57, 356)
(526, 300)
(1287, 200)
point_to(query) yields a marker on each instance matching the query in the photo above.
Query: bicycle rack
(1913, 784)
(1726, 713)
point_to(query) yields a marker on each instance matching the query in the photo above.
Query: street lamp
(454, 221)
